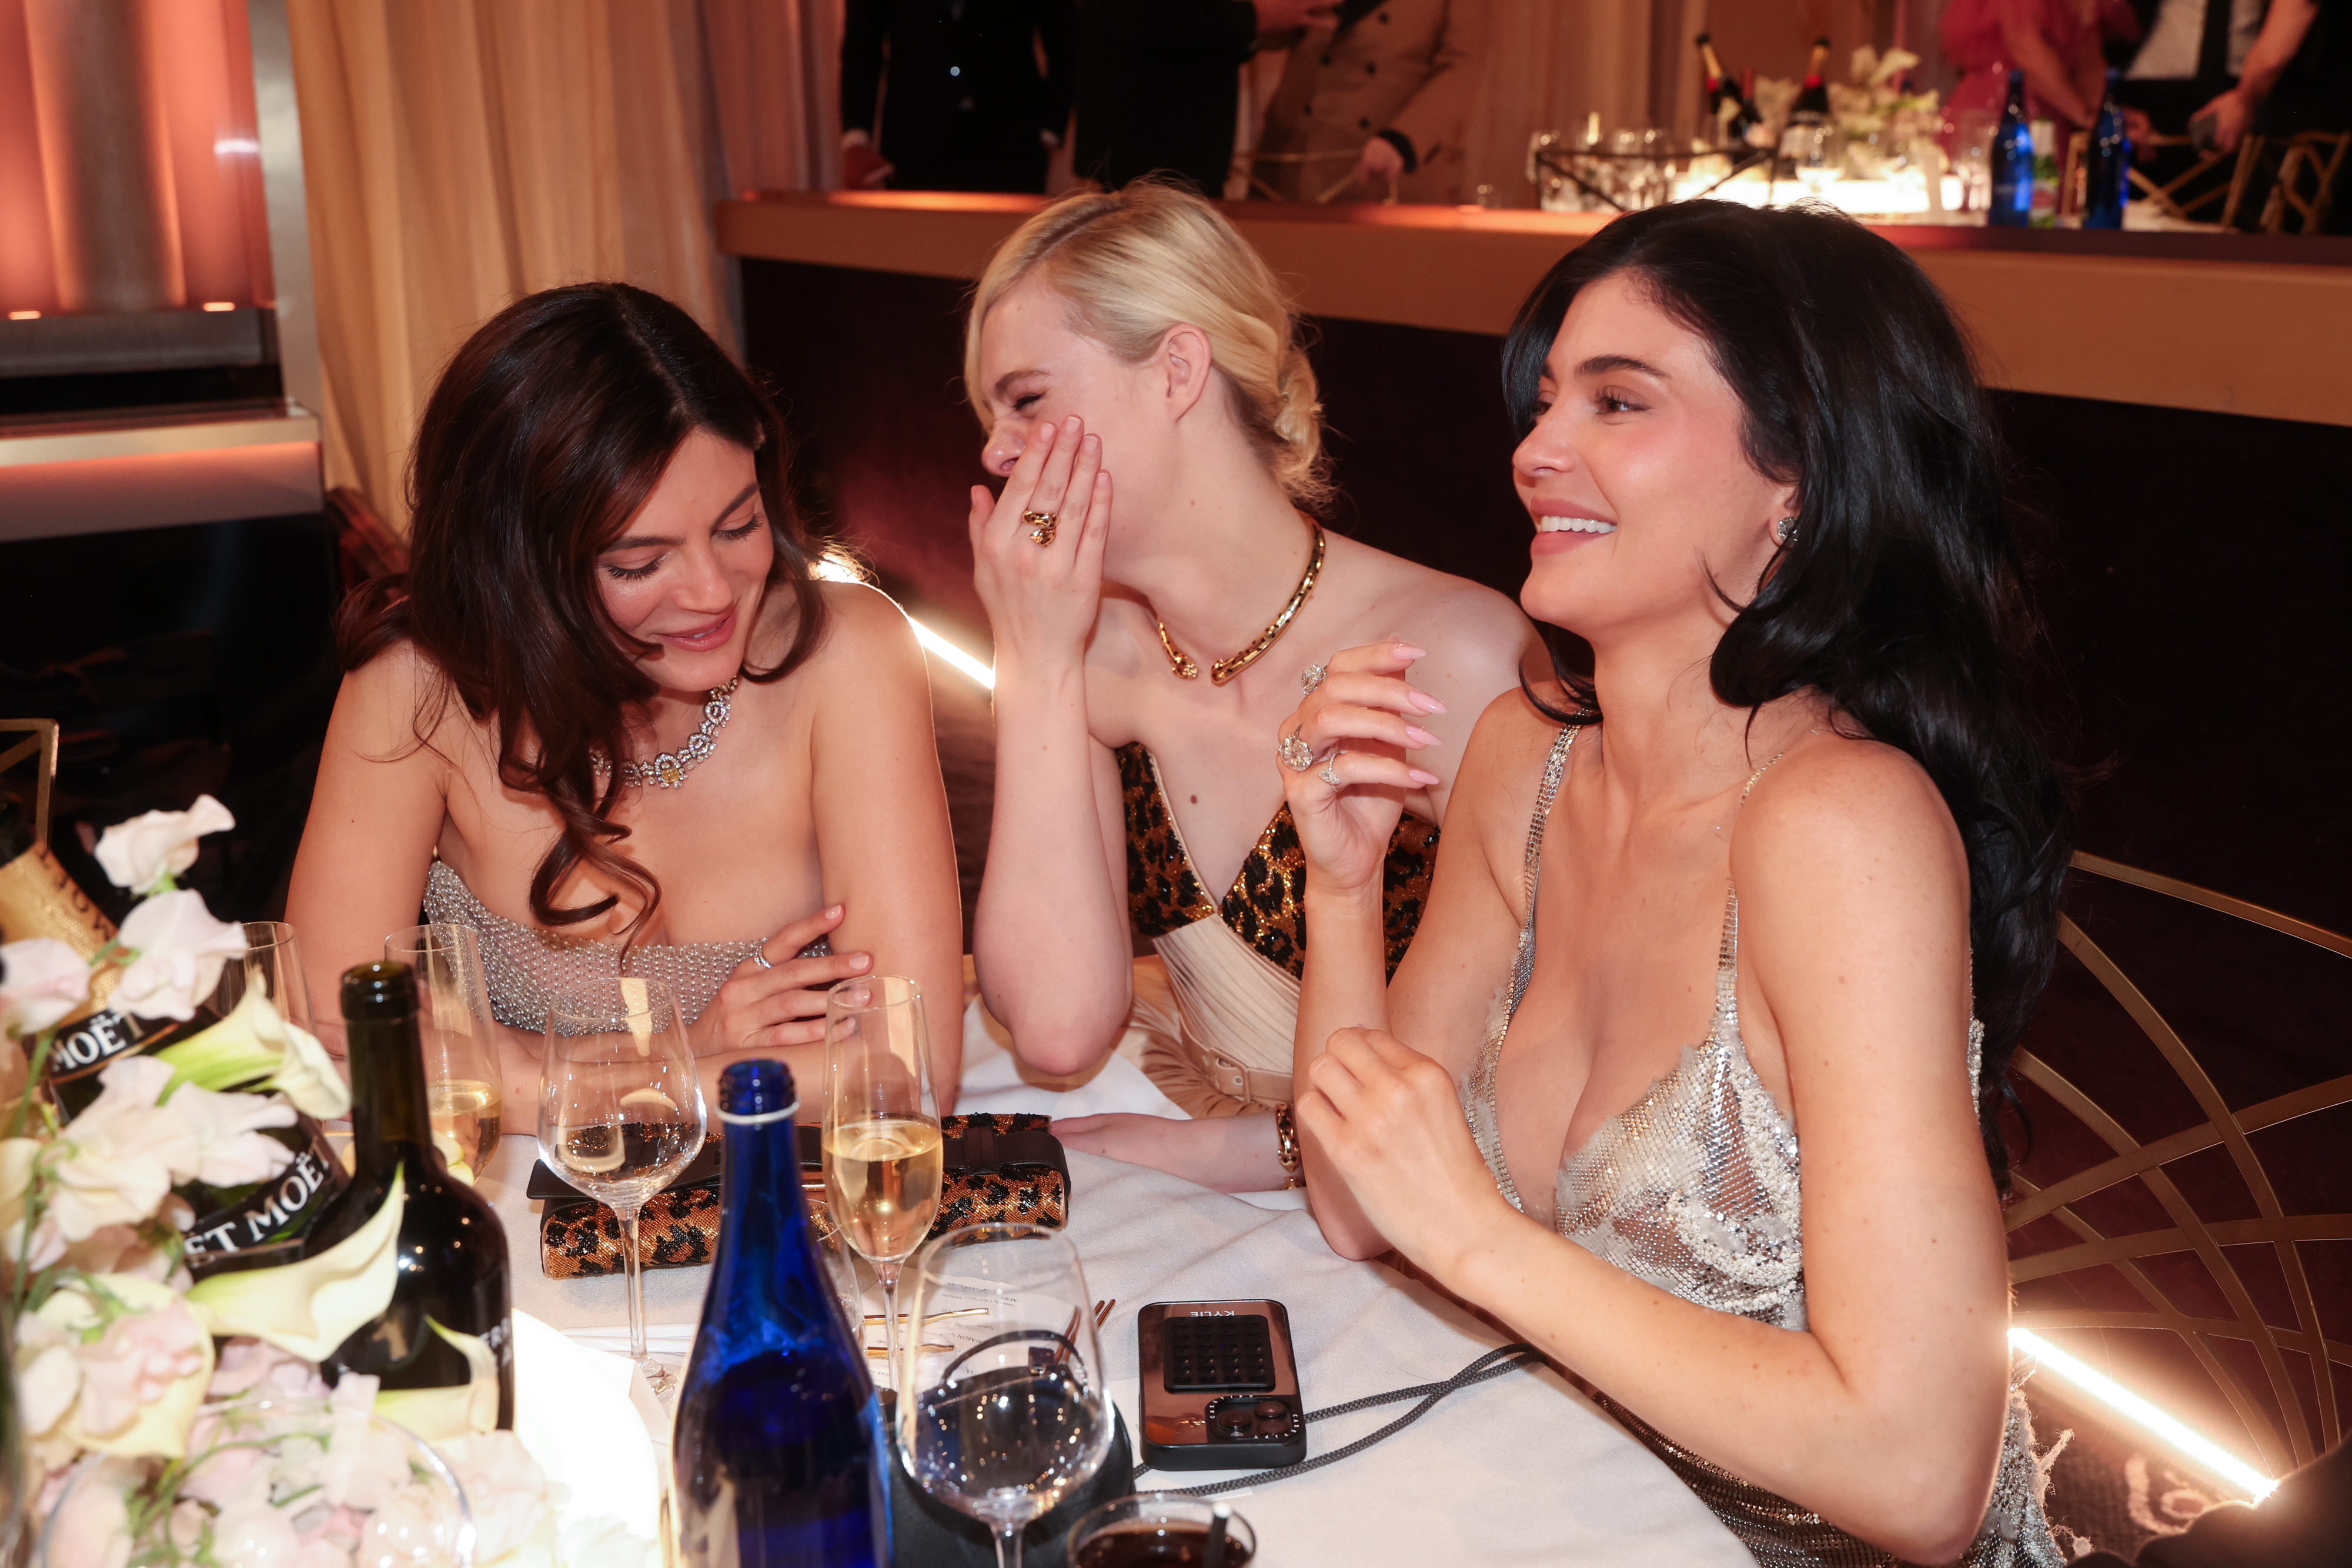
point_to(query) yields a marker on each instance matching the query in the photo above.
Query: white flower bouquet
(167, 1420)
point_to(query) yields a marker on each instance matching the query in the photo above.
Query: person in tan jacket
(1391, 82)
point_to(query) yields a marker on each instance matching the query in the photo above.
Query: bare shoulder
(1503, 763)
(1467, 622)
(1849, 809)
(866, 637)
(397, 703)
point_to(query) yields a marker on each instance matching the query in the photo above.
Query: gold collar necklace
(1181, 664)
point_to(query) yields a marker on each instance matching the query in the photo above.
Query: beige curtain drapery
(461, 154)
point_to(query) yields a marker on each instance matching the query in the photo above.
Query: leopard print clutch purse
(998, 1168)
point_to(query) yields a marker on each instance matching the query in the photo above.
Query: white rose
(142, 852)
(181, 949)
(41, 981)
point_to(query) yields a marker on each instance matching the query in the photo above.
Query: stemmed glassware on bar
(1003, 1406)
(882, 1148)
(621, 1112)
(463, 1087)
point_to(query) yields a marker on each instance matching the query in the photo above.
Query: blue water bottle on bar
(2108, 171)
(778, 1446)
(2012, 162)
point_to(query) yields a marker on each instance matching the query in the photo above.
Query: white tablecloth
(1523, 1470)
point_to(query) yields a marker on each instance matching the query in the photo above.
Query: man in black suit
(965, 107)
(1159, 82)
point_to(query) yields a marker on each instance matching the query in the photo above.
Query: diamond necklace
(1182, 665)
(668, 771)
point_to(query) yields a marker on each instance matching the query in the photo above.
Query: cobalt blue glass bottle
(778, 1448)
(2012, 162)
(2108, 168)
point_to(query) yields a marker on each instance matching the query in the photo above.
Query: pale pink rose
(41, 981)
(141, 853)
(253, 1533)
(92, 1527)
(139, 1357)
(180, 950)
(505, 1489)
(249, 1365)
(226, 1475)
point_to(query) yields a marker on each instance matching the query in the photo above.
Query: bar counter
(2220, 324)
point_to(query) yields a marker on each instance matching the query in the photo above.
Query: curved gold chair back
(2224, 1126)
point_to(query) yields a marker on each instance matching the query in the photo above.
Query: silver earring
(1785, 531)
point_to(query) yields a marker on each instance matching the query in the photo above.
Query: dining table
(1522, 1468)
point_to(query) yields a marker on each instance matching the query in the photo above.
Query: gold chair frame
(2168, 196)
(2189, 1232)
(40, 744)
(2321, 154)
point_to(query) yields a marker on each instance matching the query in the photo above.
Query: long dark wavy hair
(1902, 599)
(545, 435)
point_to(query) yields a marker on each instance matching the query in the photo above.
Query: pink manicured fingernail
(831, 910)
(1426, 702)
(1407, 651)
(1423, 776)
(1418, 736)
(859, 960)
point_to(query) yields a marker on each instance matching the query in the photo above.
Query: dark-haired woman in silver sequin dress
(1689, 1074)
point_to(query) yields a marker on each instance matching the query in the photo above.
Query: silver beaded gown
(1694, 1188)
(524, 967)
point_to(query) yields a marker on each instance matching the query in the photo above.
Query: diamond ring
(1295, 754)
(1329, 772)
(1312, 677)
(761, 958)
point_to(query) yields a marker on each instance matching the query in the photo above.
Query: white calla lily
(436, 1414)
(257, 1041)
(147, 849)
(311, 1307)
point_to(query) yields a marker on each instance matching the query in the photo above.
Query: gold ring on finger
(1329, 772)
(1043, 525)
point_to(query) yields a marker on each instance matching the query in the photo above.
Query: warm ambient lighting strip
(2122, 1400)
(833, 569)
(954, 655)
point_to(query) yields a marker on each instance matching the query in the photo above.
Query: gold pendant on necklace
(1182, 665)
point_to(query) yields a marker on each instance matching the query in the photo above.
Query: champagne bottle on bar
(2012, 162)
(2108, 171)
(1716, 86)
(1813, 98)
(781, 1457)
(444, 1347)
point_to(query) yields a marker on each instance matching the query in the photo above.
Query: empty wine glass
(462, 1088)
(882, 1149)
(621, 1112)
(1004, 1405)
(271, 966)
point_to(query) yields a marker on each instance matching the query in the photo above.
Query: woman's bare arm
(1886, 1414)
(884, 846)
(2052, 79)
(375, 815)
(1050, 936)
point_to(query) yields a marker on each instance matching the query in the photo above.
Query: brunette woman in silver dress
(1780, 875)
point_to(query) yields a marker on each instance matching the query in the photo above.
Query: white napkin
(572, 1413)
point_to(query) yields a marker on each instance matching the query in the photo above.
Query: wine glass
(272, 966)
(882, 1150)
(1004, 1403)
(462, 1084)
(621, 1112)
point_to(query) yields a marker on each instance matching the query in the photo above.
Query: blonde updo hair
(1134, 264)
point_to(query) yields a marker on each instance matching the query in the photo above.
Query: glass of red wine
(1160, 1530)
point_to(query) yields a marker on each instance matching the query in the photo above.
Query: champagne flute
(882, 1146)
(621, 1112)
(462, 1088)
(1014, 1411)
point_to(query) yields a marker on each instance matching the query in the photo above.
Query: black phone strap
(1494, 1364)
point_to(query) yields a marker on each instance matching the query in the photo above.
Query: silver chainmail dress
(1694, 1188)
(524, 966)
